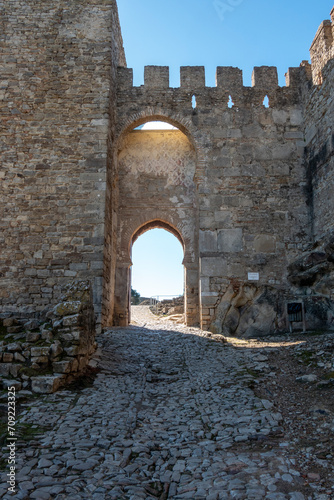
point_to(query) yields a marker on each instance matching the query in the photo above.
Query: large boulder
(248, 311)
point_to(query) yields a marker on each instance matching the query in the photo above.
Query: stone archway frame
(123, 269)
(190, 261)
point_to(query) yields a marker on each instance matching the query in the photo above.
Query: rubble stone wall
(41, 356)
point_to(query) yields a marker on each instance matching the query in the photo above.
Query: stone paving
(170, 415)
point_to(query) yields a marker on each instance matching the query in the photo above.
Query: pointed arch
(157, 224)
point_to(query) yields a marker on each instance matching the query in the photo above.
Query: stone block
(279, 169)
(156, 77)
(280, 116)
(32, 336)
(11, 383)
(40, 360)
(14, 369)
(222, 216)
(67, 308)
(18, 357)
(213, 266)
(191, 278)
(229, 78)
(32, 324)
(64, 366)
(230, 240)
(209, 300)
(39, 351)
(65, 336)
(265, 77)
(208, 241)
(71, 320)
(4, 369)
(47, 335)
(45, 385)
(8, 322)
(7, 357)
(265, 243)
(294, 135)
(296, 117)
(192, 77)
(252, 170)
(56, 349)
(15, 347)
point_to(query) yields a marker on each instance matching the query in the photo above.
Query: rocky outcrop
(248, 310)
(313, 267)
(313, 275)
(43, 356)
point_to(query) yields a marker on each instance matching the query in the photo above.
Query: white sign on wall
(253, 276)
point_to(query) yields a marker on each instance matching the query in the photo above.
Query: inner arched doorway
(156, 188)
(157, 255)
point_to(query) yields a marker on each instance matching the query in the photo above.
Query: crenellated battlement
(192, 78)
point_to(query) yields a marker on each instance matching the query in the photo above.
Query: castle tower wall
(322, 48)
(58, 63)
(319, 130)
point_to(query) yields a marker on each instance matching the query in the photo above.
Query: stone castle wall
(312, 274)
(249, 190)
(250, 175)
(58, 62)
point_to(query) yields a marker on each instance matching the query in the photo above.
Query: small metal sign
(253, 276)
(295, 314)
(295, 311)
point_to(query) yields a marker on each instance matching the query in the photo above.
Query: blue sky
(210, 33)
(157, 264)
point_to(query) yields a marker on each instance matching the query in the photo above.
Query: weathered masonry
(246, 188)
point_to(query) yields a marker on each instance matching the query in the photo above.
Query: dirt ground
(298, 378)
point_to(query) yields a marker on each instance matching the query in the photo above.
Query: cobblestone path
(170, 415)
